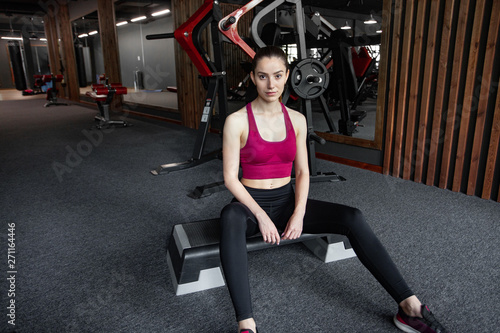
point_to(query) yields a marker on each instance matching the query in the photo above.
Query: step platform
(193, 253)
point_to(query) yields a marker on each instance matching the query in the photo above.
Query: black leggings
(238, 223)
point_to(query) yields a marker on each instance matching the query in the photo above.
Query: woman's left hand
(293, 228)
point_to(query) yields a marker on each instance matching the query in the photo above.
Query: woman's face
(270, 77)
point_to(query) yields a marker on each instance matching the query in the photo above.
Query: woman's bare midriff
(266, 184)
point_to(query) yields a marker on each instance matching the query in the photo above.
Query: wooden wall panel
(404, 79)
(392, 82)
(443, 105)
(65, 33)
(427, 88)
(417, 59)
(109, 45)
(454, 103)
(52, 44)
(469, 97)
(443, 69)
(493, 151)
(482, 100)
(109, 40)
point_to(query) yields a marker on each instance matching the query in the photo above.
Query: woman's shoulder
(237, 118)
(296, 117)
(238, 115)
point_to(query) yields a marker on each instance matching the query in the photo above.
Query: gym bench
(193, 253)
(103, 95)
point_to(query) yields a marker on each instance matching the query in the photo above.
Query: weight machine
(189, 37)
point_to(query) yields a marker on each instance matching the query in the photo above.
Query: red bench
(103, 95)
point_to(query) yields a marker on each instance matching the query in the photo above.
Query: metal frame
(189, 37)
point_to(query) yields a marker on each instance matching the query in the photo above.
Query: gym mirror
(349, 112)
(147, 67)
(88, 51)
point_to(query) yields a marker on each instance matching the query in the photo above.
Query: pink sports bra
(261, 159)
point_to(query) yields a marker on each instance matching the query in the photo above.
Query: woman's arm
(231, 145)
(294, 227)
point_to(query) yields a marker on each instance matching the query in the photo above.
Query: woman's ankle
(247, 324)
(412, 306)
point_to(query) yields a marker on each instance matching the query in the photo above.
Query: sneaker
(427, 324)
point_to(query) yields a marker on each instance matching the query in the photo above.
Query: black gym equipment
(344, 81)
(213, 74)
(16, 61)
(309, 78)
(194, 261)
(80, 64)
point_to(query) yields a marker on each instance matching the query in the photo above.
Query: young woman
(266, 139)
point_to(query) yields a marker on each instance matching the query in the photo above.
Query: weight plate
(309, 78)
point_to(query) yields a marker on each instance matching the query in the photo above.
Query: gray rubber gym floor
(92, 225)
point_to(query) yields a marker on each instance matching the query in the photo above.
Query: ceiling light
(43, 39)
(82, 35)
(12, 38)
(121, 23)
(379, 31)
(140, 18)
(92, 32)
(346, 26)
(371, 20)
(161, 12)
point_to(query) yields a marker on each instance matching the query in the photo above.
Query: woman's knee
(233, 217)
(356, 215)
(357, 222)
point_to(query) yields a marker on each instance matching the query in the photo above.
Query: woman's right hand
(268, 229)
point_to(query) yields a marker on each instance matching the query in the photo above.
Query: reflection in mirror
(88, 52)
(40, 58)
(147, 66)
(349, 105)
